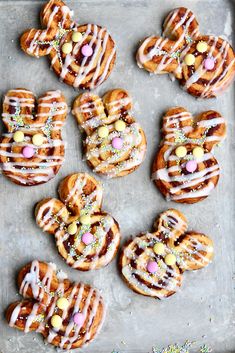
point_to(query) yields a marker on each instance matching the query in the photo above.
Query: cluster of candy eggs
(202, 47)
(169, 259)
(62, 304)
(117, 142)
(85, 220)
(191, 164)
(67, 47)
(28, 151)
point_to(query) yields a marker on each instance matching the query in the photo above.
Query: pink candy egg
(87, 238)
(209, 64)
(28, 152)
(117, 143)
(78, 319)
(191, 166)
(152, 266)
(87, 50)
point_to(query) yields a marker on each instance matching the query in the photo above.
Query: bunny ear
(26, 315)
(88, 110)
(81, 193)
(38, 280)
(210, 129)
(56, 14)
(177, 123)
(171, 225)
(195, 251)
(117, 103)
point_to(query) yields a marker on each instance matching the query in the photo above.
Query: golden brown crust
(91, 113)
(74, 68)
(191, 251)
(181, 36)
(81, 195)
(169, 171)
(40, 282)
(46, 116)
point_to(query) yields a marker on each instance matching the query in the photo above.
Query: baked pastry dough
(67, 314)
(82, 56)
(204, 65)
(185, 169)
(86, 237)
(32, 150)
(115, 144)
(152, 264)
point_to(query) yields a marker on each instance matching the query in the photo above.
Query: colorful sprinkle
(62, 303)
(170, 259)
(202, 47)
(56, 321)
(117, 143)
(76, 37)
(159, 248)
(28, 152)
(78, 319)
(87, 238)
(67, 48)
(189, 59)
(120, 125)
(87, 50)
(181, 151)
(18, 136)
(152, 266)
(38, 139)
(191, 166)
(209, 64)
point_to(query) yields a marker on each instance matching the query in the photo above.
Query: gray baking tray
(203, 310)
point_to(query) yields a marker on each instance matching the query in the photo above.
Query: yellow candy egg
(67, 48)
(85, 219)
(181, 151)
(72, 228)
(202, 47)
(18, 136)
(170, 259)
(56, 321)
(76, 37)
(198, 152)
(119, 125)
(159, 248)
(189, 59)
(62, 303)
(103, 131)
(38, 139)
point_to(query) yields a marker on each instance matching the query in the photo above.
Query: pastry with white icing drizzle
(86, 237)
(32, 150)
(67, 314)
(185, 169)
(82, 56)
(115, 145)
(153, 264)
(203, 64)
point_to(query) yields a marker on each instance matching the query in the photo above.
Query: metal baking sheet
(203, 310)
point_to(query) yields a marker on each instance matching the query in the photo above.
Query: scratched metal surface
(203, 310)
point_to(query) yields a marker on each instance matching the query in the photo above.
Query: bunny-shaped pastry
(67, 314)
(204, 65)
(32, 150)
(82, 56)
(185, 170)
(152, 264)
(115, 145)
(86, 237)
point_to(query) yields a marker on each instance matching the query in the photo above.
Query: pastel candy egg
(87, 238)
(62, 303)
(103, 131)
(119, 125)
(56, 321)
(87, 50)
(79, 319)
(202, 47)
(28, 152)
(38, 139)
(76, 37)
(209, 64)
(117, 143)
(198, 152)
(67, 48)
(18, 136)
(72, 228)
(191, 166)
(85, 219)
(152, 266)
(181, 151)
(189, 59)
(170, 259)
(159, 248)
